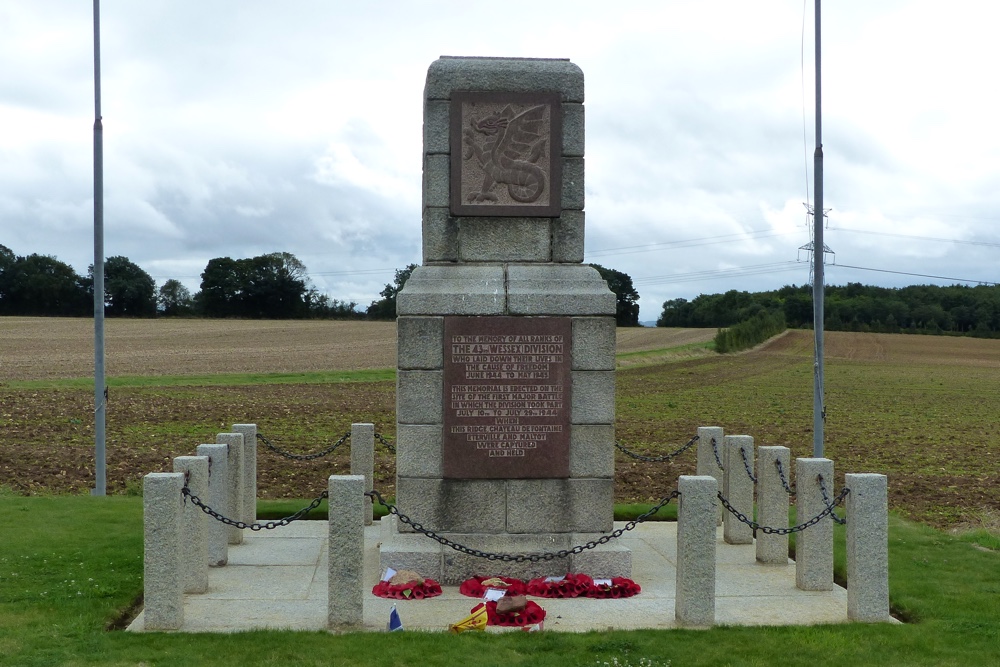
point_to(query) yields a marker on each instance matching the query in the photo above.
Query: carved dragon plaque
(506, 152)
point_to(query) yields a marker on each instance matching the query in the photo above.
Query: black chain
(658, 459)
(385, 443)
(196, 501)
(826, 500)
(783, 531)
(781, 475)
(715, 450)
(303, 457)
(521, 558)
(746, 465)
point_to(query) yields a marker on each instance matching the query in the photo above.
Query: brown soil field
(922, 409)
(37, 348)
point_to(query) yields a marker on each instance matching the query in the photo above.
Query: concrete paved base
(278, 579)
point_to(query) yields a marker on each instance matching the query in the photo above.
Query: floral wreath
(530, 615)
(620, 587)
(570, 586)
(411, 590)
(476, 586)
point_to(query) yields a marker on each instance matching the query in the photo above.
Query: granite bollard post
(695, 601)
(709, 444)
(217, 498)
(738, 488)
(772, 505)
(249, 432)
(346, 552)
(363, 460)
(867, 547)
(163, 585)
(194, 551)
(234, 442)
(814, 545)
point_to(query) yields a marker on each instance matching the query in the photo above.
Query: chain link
(715, 450)
(768, 530)
(781, 475)
(746, 465)
(385, 443)
(303, 457)
(197, 502)
(658, 459)
(826, 500)
(520, 558)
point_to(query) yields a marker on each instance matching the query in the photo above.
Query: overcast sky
(242, 127)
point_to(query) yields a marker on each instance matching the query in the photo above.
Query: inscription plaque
(507, 397)
(506, 152)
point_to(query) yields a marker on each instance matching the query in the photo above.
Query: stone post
(234, 441)
(737, 488)
(249, 432)
(867, 547)
(194, 547)
(363, 460)
(772, 505)
(695, 601)
(217, 498)
(708, 464)
(162, 505)
(346, 557)
(814, 545)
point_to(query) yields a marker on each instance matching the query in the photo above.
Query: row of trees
(927, 309)
(271, 286)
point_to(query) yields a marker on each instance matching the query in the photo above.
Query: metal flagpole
(819, 410)
(100, 391)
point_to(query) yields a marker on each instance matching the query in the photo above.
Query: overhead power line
(714, 274)
(919, 275)
(753, 234)
(986, 244)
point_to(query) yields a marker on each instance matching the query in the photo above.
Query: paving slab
(278, 579)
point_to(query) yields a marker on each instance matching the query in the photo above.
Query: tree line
(271, 286)
(923, 309)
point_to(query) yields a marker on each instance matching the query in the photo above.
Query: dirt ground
(48, 348)
(922, 409)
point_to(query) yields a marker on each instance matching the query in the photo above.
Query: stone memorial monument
(505, 393)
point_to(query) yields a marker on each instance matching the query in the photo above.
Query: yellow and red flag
(476, 620)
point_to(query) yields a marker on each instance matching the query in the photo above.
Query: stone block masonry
(506, 341)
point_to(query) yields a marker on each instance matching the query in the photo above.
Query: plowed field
(921, 409)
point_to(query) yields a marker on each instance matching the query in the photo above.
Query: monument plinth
(506, 341)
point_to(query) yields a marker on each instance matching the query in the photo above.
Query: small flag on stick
(394, 622)
(476, 620)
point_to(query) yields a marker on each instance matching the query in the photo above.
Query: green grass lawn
(70, 564)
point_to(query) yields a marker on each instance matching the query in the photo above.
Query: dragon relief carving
(508, 155)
